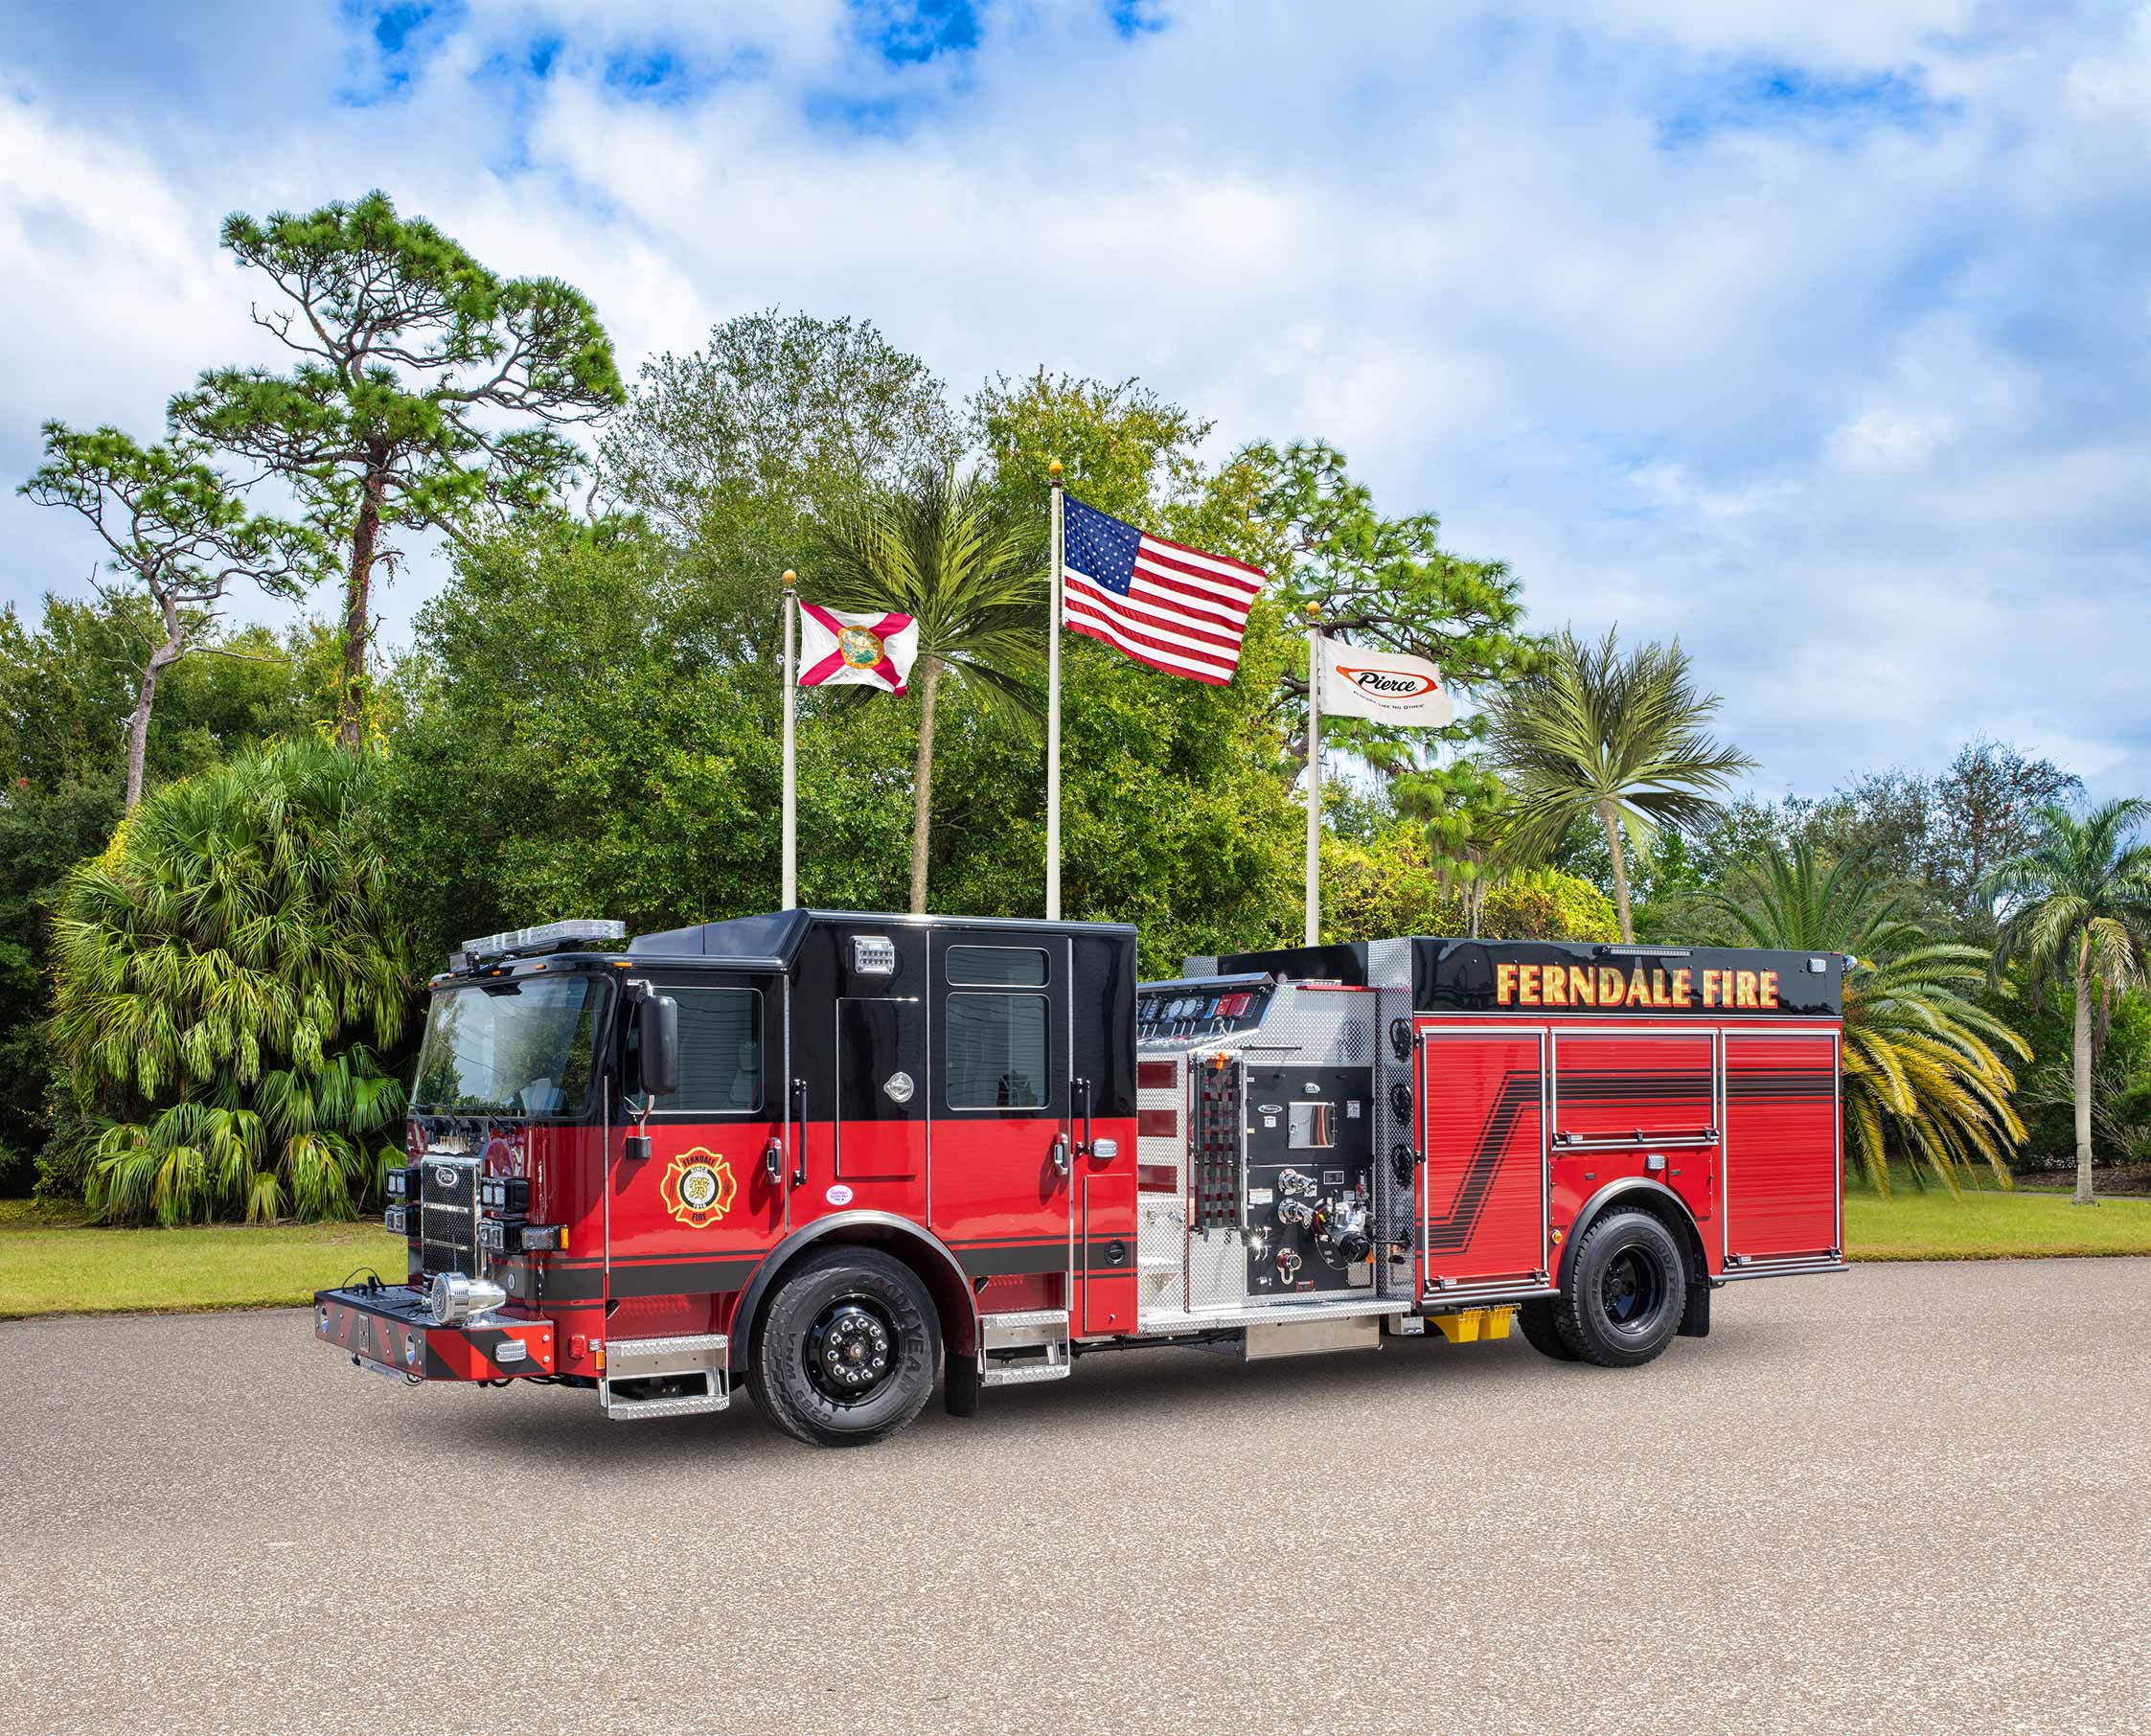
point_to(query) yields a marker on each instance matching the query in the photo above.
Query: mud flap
(1695, 1318)
(960, 1388)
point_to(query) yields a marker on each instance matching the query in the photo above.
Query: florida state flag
(836, 647)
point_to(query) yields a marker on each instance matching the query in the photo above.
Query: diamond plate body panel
(1194, 1247)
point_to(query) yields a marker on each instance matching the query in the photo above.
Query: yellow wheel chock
(1470, 1325)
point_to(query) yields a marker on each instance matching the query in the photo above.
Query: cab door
(1004, 1110)
(696, 1213)
(861, 1134)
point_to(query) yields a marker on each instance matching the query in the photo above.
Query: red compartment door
(1482, 1199)
(1780, 1168)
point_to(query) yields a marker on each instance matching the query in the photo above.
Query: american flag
(1163, 603)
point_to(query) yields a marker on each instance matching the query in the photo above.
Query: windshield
(520, 1047)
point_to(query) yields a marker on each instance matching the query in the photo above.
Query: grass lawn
(1986, 1225)
(50, 1263)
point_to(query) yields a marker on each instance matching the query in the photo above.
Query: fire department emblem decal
(698, 1188)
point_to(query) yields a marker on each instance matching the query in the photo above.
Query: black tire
(847, 1349)
(1627, 1287)
(1541, 1330)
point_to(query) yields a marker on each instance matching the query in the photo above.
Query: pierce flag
(838, 648)
(1385, 686)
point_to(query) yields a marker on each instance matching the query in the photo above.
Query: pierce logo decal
(698, 1188)
(1391, 683)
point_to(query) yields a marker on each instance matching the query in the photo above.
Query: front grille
(448, 1214)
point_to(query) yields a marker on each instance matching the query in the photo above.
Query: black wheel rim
(850, 1354)
(1633, 1290)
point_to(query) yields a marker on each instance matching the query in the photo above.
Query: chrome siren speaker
(454, 1297)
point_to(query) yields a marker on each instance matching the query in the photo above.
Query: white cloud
(1815, 334)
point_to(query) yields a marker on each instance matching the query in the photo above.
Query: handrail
(1636, 1141)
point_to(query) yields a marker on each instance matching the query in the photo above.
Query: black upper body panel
(1511, 976)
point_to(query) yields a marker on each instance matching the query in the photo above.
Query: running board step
(674, 1377)
(1030, 1344)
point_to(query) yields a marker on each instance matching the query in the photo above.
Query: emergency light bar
(545, 937)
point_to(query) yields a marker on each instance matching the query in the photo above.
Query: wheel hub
(850, 1352)
(1631, 1289)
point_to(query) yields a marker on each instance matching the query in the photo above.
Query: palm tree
(1921, 1069)
(2079, 909)
(945, 552)
(1593, 732)
(215, 969)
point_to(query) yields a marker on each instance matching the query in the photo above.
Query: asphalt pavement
(1912, 1498)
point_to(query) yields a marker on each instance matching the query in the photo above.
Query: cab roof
(771, 941)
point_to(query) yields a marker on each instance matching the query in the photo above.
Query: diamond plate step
(691, 1356)
(627, 1411)
(1024, 1373)
(1025, 1328)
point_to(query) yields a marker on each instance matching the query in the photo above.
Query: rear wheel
(1626, 1289)
(847, 1349)
(1543, 1332)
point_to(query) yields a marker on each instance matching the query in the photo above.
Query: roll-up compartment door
(1636, 1102)
(1616, 1089)
(1481, 1205)
(1781, 1159)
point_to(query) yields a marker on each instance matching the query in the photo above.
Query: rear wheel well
(952, 1301)
(1682, 1225)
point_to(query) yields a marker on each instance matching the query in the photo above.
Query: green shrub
(215, 969)
(1391, 887)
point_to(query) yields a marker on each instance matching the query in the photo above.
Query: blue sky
(1818, 334)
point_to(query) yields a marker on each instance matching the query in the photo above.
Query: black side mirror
(657, 1037)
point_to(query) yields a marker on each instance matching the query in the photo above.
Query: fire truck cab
(841, 1155)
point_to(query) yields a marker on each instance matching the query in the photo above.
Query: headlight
(454, 1297)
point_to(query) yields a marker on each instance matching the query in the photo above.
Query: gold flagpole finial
(1053, 469)
(790, 577)
(1314, 611)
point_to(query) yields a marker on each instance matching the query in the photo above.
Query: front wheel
(1627, 1286)
(847, 1349)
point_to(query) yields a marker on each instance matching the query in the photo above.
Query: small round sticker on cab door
(839, 1194)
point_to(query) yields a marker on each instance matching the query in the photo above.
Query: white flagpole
(790, 900)
(1313, 774)
(1053, 716)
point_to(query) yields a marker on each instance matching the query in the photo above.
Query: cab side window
(719, 1053)
(995, 1051)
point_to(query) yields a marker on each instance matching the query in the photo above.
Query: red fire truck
(839, 1156)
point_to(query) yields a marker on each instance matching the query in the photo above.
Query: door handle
(1084, 1148)
(1061, 1154)
(772, 1159)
